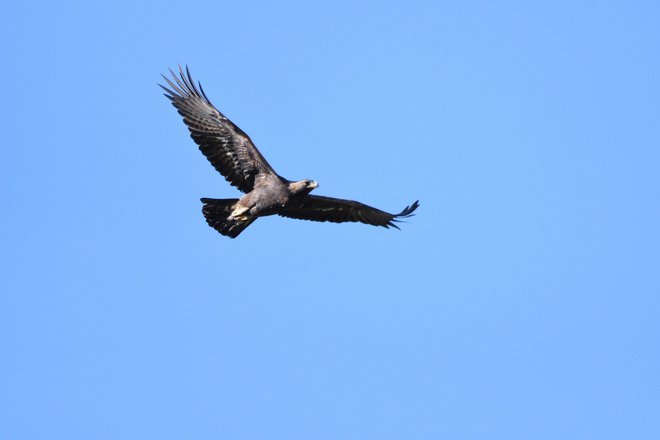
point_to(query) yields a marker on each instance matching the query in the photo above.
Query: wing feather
(227, 147)
(328, 209)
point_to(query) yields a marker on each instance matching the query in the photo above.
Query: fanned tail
(217, 212)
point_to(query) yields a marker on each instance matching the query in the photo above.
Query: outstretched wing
(328, 209)
(227, 147)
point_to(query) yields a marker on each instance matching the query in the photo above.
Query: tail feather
(217, 211)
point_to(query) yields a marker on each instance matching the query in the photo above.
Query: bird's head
(302, 186)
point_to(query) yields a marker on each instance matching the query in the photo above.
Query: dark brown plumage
(232, 154)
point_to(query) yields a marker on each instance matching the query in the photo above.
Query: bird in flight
(232, 154)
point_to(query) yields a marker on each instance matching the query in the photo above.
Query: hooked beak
(313, 184)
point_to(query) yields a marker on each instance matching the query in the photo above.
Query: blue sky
(520, 303)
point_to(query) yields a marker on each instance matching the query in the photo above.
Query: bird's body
(233, 154)
(270, 199)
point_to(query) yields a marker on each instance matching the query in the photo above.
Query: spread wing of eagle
(232, 154)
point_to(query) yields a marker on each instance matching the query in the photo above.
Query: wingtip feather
(408, 210)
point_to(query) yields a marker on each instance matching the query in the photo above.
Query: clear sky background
(522, 302)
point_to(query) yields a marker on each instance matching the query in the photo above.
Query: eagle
(232, 154)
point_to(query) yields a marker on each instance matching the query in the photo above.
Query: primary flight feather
(232, 154)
